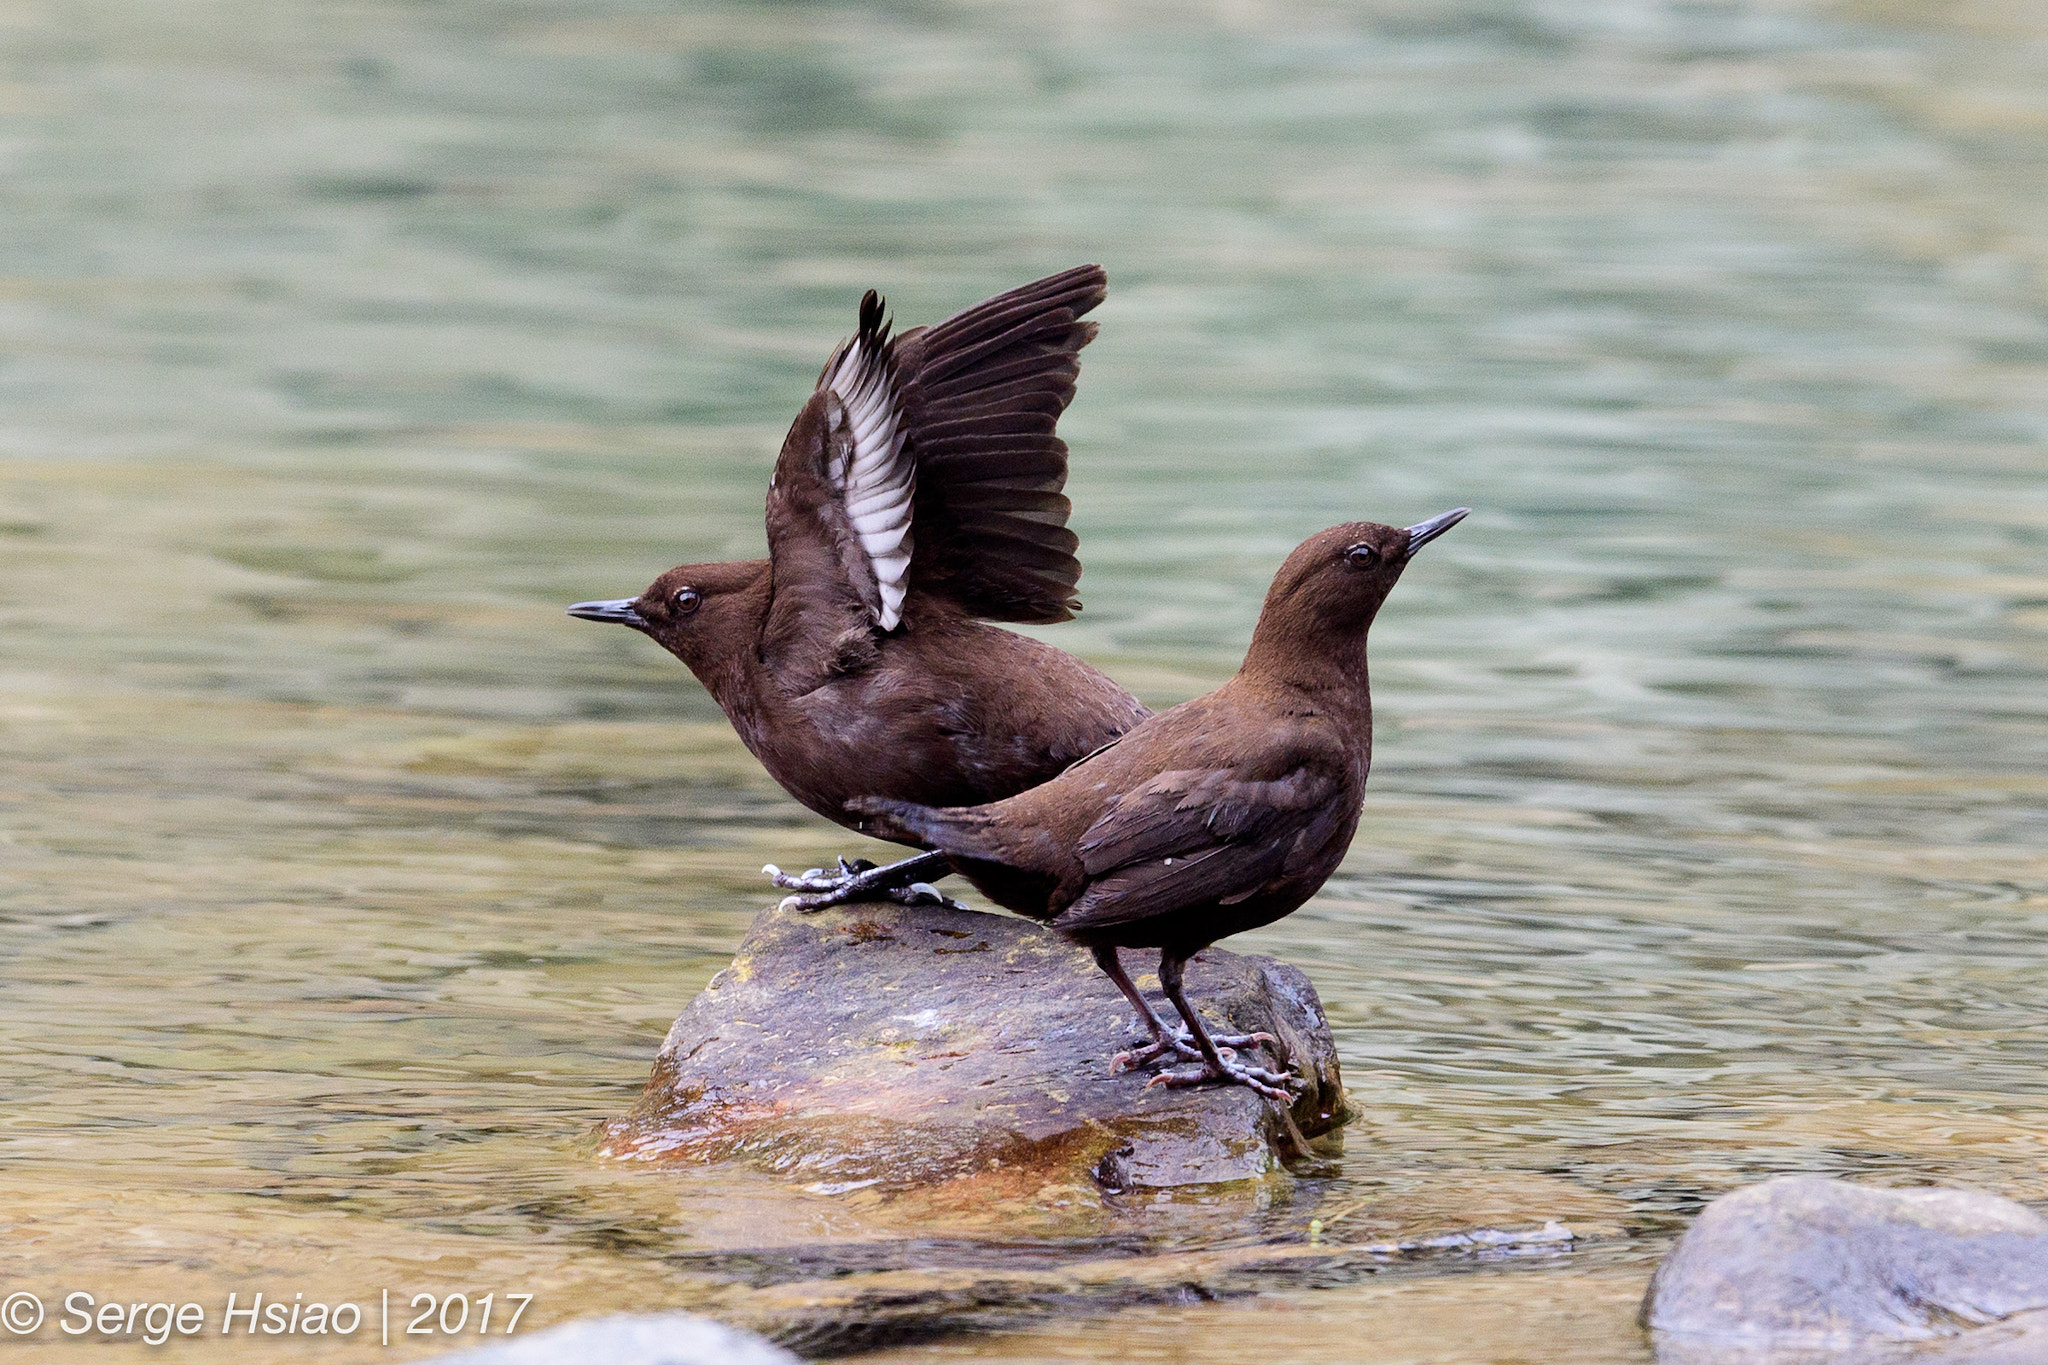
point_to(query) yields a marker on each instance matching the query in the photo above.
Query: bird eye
(1361, 556)
(685, 601)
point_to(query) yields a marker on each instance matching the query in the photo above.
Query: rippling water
(347, 883)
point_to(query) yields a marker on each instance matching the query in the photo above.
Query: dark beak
(1420, 534)
(619, 612)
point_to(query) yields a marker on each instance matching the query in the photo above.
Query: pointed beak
(1423, 532)
(619, 612)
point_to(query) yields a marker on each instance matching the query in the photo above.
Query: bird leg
(1165, 1041)
(1215, 1067)
(907, 883)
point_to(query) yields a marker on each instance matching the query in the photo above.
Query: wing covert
(1196, 835)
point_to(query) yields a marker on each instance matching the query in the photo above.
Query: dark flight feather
(983, 392)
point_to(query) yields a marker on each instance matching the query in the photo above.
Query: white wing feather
(875, 483)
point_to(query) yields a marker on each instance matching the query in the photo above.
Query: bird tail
(949, 829)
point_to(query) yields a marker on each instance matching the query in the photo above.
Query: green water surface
(345, 883)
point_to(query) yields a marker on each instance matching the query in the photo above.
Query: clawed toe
(812, 879)
(922, 893)
(817, 878)
(816, 889)
(1274, 1085)
(1130, 1059)
(857, 879)
(1159, 1049)
(1180, 1048)
(1245, 1040)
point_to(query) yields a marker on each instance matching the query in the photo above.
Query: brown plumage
(917, 496)
(1219, 815)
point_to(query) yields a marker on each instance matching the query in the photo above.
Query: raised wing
(983, 394)
(1197, 836)
(840, 514)
(930, 462)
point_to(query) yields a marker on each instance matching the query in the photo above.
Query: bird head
(696, 612)
(1332, 586)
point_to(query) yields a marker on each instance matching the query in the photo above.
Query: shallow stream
(346, 884)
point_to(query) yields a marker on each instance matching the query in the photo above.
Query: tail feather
(905, 822)
(950, 829)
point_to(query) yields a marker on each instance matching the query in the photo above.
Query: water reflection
(347, 883)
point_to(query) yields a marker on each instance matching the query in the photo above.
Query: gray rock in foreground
(898, 1048)
(630, 1339)
(1802, 1268)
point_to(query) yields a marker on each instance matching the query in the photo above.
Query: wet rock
(847, 1314)
(1801, 1269)
(631, 1339)
(963, 1058)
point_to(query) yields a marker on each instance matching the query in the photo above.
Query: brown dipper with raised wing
(917, 497)
(1219, 815)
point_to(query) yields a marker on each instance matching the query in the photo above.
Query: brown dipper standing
(917, 495)
(1220, 815)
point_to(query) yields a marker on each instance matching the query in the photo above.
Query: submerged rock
(965, 1056)
(1802, 1268)
(844, 1284)
(851, 1313)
